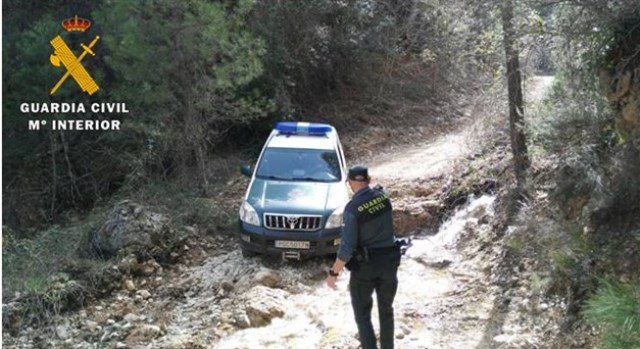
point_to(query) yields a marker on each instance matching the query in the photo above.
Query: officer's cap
(358, 173)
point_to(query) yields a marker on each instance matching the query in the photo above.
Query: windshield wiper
(275, 178)
(309, 179)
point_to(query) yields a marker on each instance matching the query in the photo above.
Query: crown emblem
(76, 24)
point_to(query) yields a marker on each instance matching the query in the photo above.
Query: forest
(188, 91)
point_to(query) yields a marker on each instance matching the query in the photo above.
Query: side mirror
(246, 170)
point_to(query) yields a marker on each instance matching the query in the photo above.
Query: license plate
(292, 244)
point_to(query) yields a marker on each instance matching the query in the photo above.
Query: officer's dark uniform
(368, 226)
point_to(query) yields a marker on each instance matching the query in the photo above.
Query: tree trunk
(54, 174)
(514, 87)
(75, 191)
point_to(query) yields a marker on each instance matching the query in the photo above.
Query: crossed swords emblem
(74, 69)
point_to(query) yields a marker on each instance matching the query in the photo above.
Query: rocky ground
(458, 286)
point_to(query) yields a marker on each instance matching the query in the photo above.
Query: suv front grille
(291, 222)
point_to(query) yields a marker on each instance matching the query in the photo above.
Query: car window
(300, 165)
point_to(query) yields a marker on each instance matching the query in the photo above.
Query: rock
(128, 263)
(12, 316)
(62, 331)
(58, 286)
(147, 268)
(436, 261)
(121, 345)
(268, 277)
(129, 285)
(430, 204)
(91, 325)
(509, 339)
(144, 294)
(263, 304)
(131, 317)
(105, 335)
(143, 334)
(411, 216)
(226, 317)
(60, 277)
(439, 264)
(241, 320)
(406, 330)
(128, 226)
(226, 286)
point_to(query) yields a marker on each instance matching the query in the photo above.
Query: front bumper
(261, 240)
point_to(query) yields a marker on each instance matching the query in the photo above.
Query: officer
(368, 249)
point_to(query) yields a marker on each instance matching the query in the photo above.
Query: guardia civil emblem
(73, 65)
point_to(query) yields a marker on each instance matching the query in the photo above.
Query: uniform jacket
(367, 222)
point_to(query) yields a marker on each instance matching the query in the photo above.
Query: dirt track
(445, 298)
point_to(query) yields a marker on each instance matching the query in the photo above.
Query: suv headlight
(248, 214)
(335, 220)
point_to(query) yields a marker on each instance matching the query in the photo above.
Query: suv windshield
(299, 164)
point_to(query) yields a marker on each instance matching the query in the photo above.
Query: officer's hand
(331, 281)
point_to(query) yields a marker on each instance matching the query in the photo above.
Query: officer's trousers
(379, 274)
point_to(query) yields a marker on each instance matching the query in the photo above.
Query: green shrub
(27, 262)
(615, 308)
(571, 118)
(184, 206)
(28, 265)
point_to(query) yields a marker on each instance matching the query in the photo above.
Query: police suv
(294, 203)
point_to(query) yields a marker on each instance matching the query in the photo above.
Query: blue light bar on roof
(306, 128)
